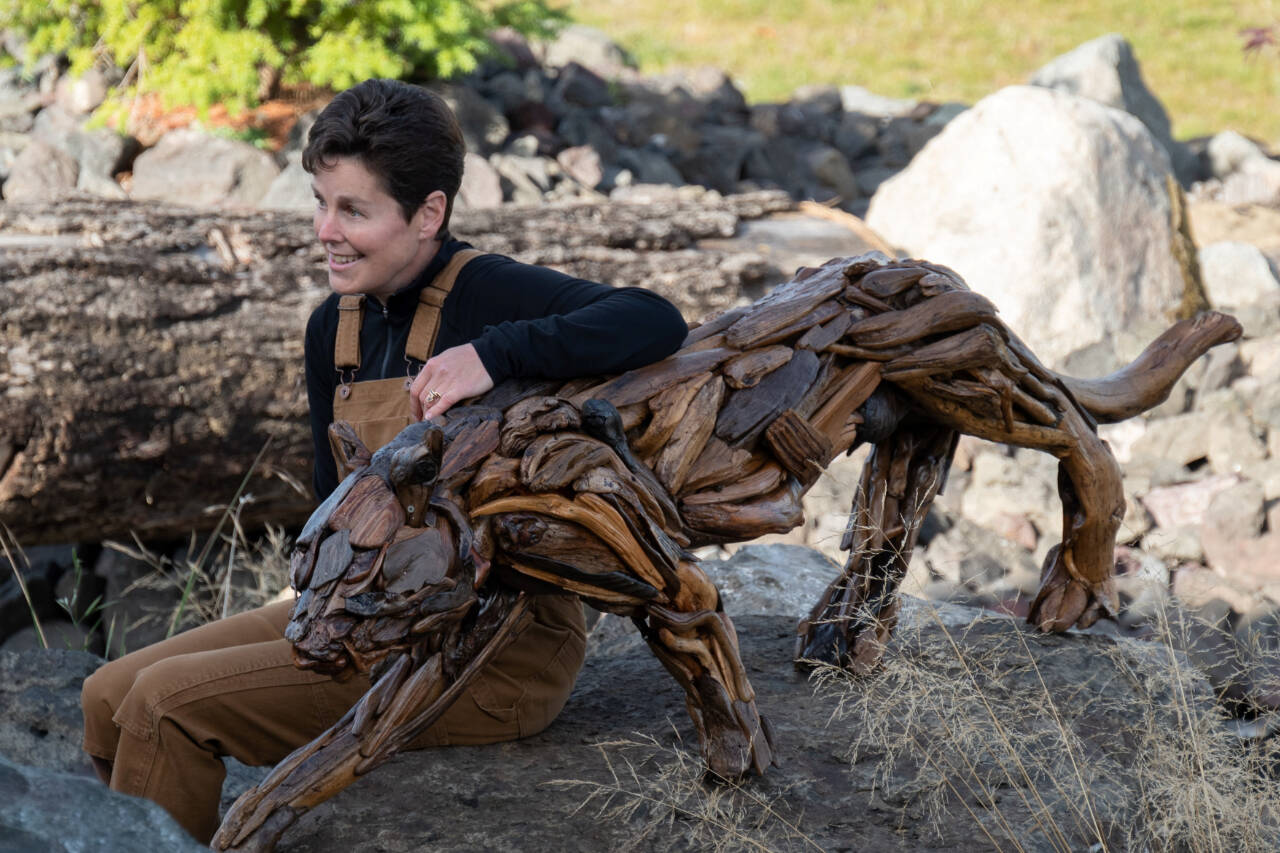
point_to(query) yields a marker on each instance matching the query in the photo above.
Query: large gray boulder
(1052, 205)
(194, 168)
(1106, 70)
(42, 722)
(45, 811)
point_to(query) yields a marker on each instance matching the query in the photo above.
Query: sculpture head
(387, 560)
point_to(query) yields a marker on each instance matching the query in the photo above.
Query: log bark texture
(148, 351)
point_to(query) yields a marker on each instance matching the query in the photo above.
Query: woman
(417, 321)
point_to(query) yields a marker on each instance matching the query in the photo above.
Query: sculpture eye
(425, 470)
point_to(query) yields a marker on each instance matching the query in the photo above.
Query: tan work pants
(159, 720)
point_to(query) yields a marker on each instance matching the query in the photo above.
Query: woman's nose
(326, 226)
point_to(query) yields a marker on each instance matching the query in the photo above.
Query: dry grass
(963, 728)
(232, 575)
(1087, 767)
(663, 792)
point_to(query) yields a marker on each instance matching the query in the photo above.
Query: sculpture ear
(433, 441)
(348, 450)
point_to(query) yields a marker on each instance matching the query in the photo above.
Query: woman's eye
(351, 211)
(319, 203)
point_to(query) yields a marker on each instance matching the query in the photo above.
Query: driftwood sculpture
(418, 568)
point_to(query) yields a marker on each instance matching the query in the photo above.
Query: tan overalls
(158, 720)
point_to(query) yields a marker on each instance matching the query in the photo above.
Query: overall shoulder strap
(346, 348)
(426, 320)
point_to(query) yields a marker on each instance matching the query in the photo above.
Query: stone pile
(565, 120)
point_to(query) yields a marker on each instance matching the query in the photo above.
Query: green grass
(960, 50)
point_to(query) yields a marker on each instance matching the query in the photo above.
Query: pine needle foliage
(200, 52)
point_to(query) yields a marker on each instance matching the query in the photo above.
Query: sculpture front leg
(695, 640)
(407, 699)
(851, 624)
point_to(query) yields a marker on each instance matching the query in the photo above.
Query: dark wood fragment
(747, 412)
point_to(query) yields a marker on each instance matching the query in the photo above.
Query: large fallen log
(148, 352)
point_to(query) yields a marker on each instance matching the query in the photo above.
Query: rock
(1213, 222)
(1105, 70)
(1182, 439)
(1258, 650)
(481, 184)
(1175, 544)
(589, 47)
(484, 129)
(83, 94)
(1261, 358)
(1236, 446)
(41, 173)
(46, 811)
(582, 128)
(139, 599)
(11, 145)
(297, 140)
(582, 163)
(1077, 192)
(528, 795)
(580, 86)
(100, 153)
(291, 190)
(902, 138)
(855, 99)
(1025, 485)
(772, 580)
(203, 170)
(1228, 152)
(855, 135)
(1185, 504)
(808, 169)
(42, 724)
(981, 559)
(649, 166)
(1235, 513)
(1257, 182)
(525, 179)
(720, 158)
(1236, 274)
(515, 47)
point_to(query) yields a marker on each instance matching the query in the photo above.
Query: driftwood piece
(746, 370)
(599, 489)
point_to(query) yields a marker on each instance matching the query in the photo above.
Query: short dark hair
(405, 135)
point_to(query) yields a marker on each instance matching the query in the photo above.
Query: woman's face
(371, 249)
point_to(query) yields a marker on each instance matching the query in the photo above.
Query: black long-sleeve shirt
(524, 321)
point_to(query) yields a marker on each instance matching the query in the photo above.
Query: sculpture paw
(1065, 600)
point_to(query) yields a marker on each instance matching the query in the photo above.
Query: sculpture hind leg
(986, 383)
(852, 622)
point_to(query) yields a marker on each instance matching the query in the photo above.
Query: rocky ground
(1069, 223)
(940, 752)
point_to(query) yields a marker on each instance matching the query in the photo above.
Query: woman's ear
(432, 215)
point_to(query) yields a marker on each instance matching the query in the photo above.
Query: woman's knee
(104, 690)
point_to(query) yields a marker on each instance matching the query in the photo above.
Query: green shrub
(237, 51)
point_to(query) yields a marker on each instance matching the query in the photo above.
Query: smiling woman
(417, 322)
(371, 248)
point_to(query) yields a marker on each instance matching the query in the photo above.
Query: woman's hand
(453, 375)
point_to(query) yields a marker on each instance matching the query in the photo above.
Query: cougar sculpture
(419, 567)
